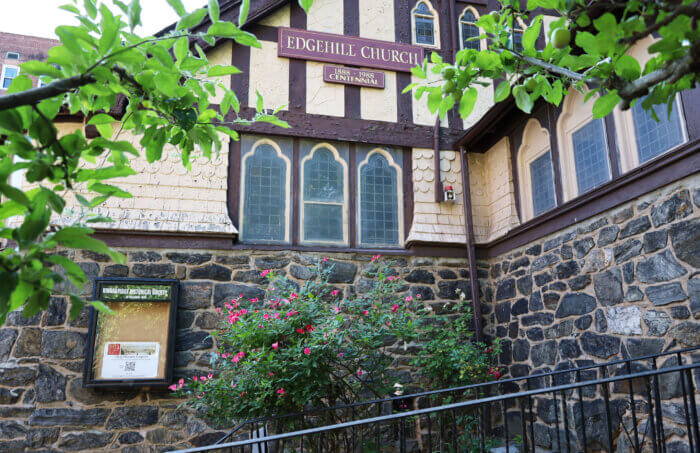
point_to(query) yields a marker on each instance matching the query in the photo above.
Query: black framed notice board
(135, 346)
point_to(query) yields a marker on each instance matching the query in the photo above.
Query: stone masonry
(623, 284)
(44, 406)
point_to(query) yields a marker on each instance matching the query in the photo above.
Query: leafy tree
(166, 83)
(587, 48)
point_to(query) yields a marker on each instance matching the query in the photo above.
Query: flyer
(130, 360)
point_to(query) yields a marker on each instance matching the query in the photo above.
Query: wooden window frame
(436, 25)
(526, 155)
(404, 183)
(471, 9)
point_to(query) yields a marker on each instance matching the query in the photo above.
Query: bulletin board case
(135, 346)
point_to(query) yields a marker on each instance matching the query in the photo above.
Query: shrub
(303, 347)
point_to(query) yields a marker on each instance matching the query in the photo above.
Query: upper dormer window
(12, 56)
(469, 30)
(425, 25)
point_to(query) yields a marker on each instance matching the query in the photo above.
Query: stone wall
(623, 284)
(43, 404)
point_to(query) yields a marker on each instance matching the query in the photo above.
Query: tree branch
(554, 69)
(670, 73)
(686, 10)
(36, 95)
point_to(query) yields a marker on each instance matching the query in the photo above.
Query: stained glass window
(542, 178)
(656, 137)
(379, 206)
(264, 206)
(425, 25)
(323, 197)
(469, 30)
(590, 156)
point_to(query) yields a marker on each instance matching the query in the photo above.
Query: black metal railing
(577, 410)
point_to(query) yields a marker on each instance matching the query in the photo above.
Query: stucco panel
(269, 75)
(323, 98)
(279, 18)
(421, 113)
(377, 19)
(220, 55)
(326, 16)
(381, 105)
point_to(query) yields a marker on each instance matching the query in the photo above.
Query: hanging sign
(350, 50)
(353, 76)
(135, 345)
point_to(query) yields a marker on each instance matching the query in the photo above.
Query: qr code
(130, 366)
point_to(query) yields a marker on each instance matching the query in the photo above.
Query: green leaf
(605, 104)
(502, 91)
(104, 173)
(214, 10)
(587, 42)
(259, 106)
(108, 189)
(628, 67)
(243, 12)
(105, 130)
(179, 8)
(11, 121)
(419, 72)
(134, 14)
(102, 307)
(181, 47)
(230, 30)
(468, 101)
(218, 70)
(76, 306)
(20, 83)
(101, 118)
(90, 8)
(78, 238)
(40, 68)
(110, 30)
(434, 99)
(75, 273)
(190, 20)
(306, 4)
(522, 99)
(531, 34)
(14, 194)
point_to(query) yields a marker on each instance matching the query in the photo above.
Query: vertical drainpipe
(471, 250)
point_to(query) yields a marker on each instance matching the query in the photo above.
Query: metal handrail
(320, 410)
(446, 407)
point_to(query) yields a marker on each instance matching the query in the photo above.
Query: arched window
(468, 29)
(536, 171)
(642, 138)
(380, 200)
(516, 36)
(324, 196)
(425, 25)
(265, 205)
(583, 145)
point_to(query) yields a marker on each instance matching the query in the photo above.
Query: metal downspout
(471, 249)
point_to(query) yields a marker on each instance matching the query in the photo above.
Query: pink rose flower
(394, 308)
(408, 298)
(336, 309)
(334, 292)
(264, 273)
(275, 345)
(281, 391)
(365, 312)
(340, 355)
(307, 351)
(173, 387)
(360, 372)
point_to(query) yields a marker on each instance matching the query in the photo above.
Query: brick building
(15, 50)
(583, 234)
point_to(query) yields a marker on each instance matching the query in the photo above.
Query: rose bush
(301, 347)
(314, 346)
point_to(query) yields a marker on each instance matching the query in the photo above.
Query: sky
(41, 17)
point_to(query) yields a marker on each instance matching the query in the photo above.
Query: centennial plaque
(353, 76)
(135, 345)
(350, 50)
